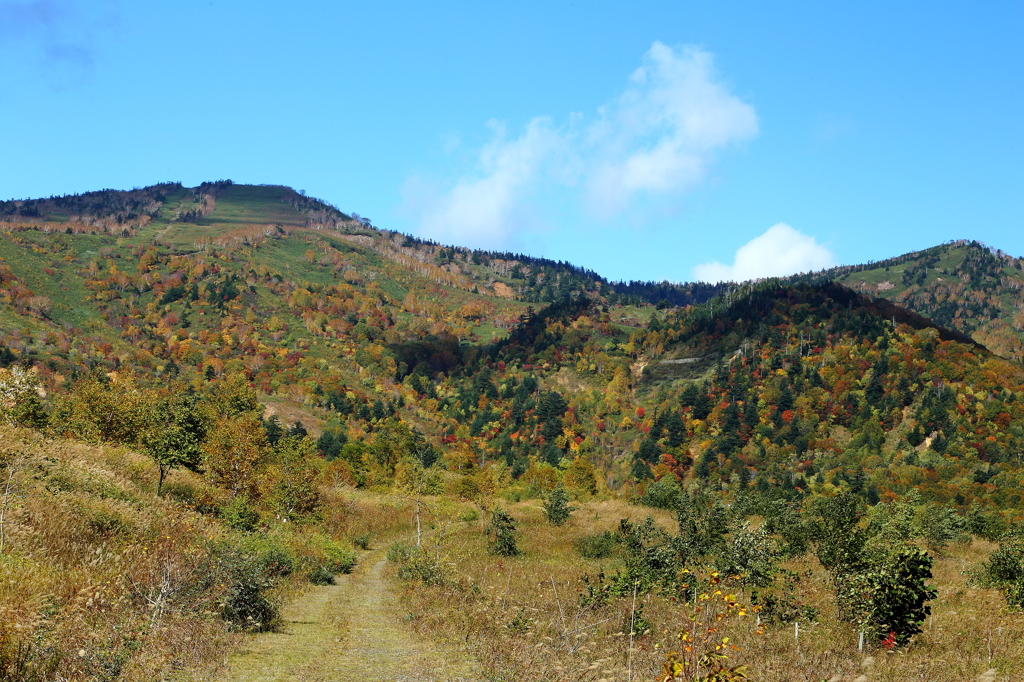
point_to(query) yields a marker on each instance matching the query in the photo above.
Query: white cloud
(778, 252)
(485, 207)
(654, 141)
(660, 135)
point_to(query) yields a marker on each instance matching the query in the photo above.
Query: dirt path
(349, 631)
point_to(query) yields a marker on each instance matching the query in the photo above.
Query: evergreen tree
(501, 534)
(556, 506)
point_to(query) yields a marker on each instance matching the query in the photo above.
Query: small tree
(501, 534)
(292, 480)
(751, 555)
(19, 399)
(175, 437)
(898, 591)
(556, 507)
(234, 452)
(940, 525)
(1004, 570)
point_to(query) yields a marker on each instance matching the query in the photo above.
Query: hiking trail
(348, 631)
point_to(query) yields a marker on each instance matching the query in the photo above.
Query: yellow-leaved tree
(234, 453)
(292, 479)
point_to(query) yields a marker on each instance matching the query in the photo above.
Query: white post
(796, 632)
(860, 643)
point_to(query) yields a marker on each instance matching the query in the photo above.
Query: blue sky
(643, 140)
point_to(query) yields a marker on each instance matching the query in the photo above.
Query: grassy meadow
(523, 618)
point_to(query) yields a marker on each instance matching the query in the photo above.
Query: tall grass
(102, 580)
(522, 616)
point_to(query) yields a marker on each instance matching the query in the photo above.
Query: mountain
(211, 395)
(795, 384)
(963, 285)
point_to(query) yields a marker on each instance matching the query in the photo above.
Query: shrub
(839, 542)
(1005, 565)
(338, 559)
(244, 604)
(19, 399)
(321, 575)
(501, 534)
(703, 525)
(661, 494)
(399, 553)
(239, 515)
(783, 520)
(556, 507)
(362, 541)
(780, 602)
(318, 549)
(751, 556)
(1004, 570)
(415, 563)
(988, 525)
(898, 591)
(941, 525)
(651, 559)
(273, 558)
(597, 546)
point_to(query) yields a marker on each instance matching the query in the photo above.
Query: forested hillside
(260, 360)
(348, 326)
(962, 285)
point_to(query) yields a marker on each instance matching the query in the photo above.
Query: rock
(862, 678)
(988, 676)
(867, 662)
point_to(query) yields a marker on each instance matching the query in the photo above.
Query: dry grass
(100, 579)
(521, 617)
(97, 576)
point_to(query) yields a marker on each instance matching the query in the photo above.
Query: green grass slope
(961, 285)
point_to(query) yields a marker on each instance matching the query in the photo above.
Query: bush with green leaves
(661, 494)
(20, 404)
(940, 525)
(399, 553)
(987, 524)
(780, 601)
(417, 563)
(270, 555)
(239, 515)
(894, 522)
(321, 551)
(784, 520)
(896, 594)
(321, 575)
(556, 506)
(835, 530)
(596, 546)
(251, 569)
(1004, 571)
(362, 541)
(703, 524)
(651, 559)
(501, 534)
(750, 555)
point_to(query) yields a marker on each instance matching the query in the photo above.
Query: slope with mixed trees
(963, 285)
(791, 385)
(174, 323)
